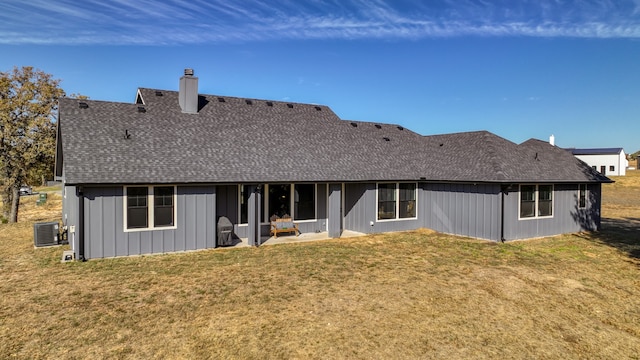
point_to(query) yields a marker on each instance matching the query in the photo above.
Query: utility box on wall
(46, 234)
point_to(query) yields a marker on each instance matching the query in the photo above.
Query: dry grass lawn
(394, 296)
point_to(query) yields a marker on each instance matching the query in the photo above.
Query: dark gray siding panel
(145, 242)
(593, 215)
(567, 217)
(322, 207)
(361, 211)
(200, 222)
(227, 205)
(334, 222)
(104, 224)
(356, 207)
(588, 218)
(463, 209)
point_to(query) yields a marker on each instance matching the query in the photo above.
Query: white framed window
(149, 207)
(582, 196)
(298, 200)
(396, 201)
(536, 201)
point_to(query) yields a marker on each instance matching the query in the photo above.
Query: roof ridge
(497, 165)
(240, 98)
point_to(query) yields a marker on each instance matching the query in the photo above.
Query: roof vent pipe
(552, 140)
(188, 96)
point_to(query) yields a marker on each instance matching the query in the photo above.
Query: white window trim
(586, 196)
(265, 210)
(397, 190)
(535, 197)
(151, 209)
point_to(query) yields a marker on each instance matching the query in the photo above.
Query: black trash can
(225, 231)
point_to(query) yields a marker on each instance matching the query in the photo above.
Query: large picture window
(149, 207)
(304, 202)
(536, 201)
(397, 201)
(279, 200)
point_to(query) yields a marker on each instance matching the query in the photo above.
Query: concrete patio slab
(304, 237)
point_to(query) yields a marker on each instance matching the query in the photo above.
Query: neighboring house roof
(602, 151)
(233, 140)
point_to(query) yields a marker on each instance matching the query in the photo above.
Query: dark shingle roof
(601, 151)
(270, 141)
(552, 163)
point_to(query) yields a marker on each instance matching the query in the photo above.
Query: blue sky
(520, 69)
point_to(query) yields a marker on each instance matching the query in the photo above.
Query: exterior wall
(322, 213)
(70, 215)
(360, 210)
(104, 224)
(463, 209)
(473, 210)
(567, 217)
(619, 161)
(334, 210)
(227, 205)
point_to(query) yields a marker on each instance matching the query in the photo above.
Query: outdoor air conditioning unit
(46, 234)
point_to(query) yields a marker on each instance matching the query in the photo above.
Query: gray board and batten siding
(104, 234)
(567, 216)
(473, 210)
(360, 209)
(197, 211)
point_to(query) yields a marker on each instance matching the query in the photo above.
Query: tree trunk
(6, 203)
(15, 202)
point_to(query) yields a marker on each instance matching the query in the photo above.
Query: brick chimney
(188, 97)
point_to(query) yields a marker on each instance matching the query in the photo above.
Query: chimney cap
(188, 72)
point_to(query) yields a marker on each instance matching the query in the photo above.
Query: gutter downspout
(503, 189)
(256, 215)
(81, 224)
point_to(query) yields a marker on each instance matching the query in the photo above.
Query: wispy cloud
(157, 22)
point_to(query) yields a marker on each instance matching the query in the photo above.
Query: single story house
(155, 175)
(608, 161)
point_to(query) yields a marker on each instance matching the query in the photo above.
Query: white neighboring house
(608, 161)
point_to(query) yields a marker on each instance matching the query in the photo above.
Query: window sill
(398, 219)
(157, 228)
(536, 217)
